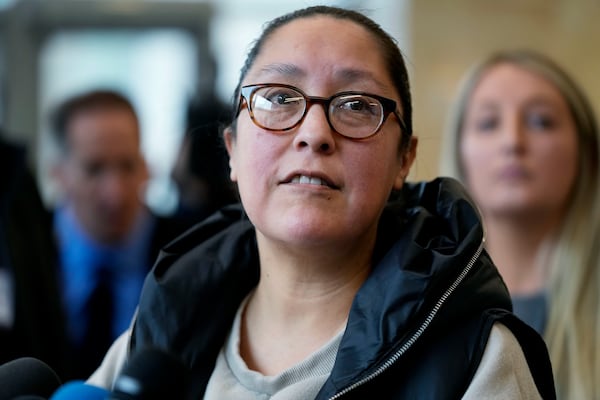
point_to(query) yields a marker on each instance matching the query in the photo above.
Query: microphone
(152, 374)
(79, 390)
(27, 376)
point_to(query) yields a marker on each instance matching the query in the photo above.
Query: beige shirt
(502, 374)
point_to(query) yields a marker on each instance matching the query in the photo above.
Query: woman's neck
(519, 248)
(299, 304)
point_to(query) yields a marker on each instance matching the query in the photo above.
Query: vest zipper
(419, 331)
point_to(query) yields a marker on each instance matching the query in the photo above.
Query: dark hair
(391, 53)
(204, 122)
(93, 100)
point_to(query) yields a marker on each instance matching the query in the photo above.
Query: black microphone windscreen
(29, 397)
(152, 374)
(27, 376)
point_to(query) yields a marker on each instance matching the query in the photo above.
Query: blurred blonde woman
(523, 138)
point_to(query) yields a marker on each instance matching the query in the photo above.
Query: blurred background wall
(166, 54)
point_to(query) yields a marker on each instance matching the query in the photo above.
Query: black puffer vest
(417, 327)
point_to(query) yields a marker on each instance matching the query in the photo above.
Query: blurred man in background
(108, 239)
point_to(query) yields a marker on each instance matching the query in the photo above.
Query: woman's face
(321, 56)
(519, 144)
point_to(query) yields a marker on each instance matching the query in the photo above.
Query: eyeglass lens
(282, 108)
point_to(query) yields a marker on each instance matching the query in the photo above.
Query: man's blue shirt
(80, 257)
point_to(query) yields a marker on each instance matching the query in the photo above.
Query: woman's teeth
(308, 180)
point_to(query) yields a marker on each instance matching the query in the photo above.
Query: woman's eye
(540, 121)
(358, 106)
(355, 105)
(283, 97)
(486, 124)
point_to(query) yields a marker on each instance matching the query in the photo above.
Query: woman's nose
(314, 131)
(513, 134)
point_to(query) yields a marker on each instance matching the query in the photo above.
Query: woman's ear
(407, 158)
(229, 137)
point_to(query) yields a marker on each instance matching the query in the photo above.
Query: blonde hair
(573, 329)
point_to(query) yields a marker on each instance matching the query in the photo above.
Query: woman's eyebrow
(544, 101)
(485, 105)
(364, 77)
(344, 75)
(287, 70)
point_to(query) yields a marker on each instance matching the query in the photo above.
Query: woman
(525, 142)
(329, 288)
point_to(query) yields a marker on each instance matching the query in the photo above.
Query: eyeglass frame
(389, 106)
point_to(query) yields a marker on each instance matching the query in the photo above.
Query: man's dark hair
(93, 100)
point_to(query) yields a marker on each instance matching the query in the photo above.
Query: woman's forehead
(322, 35)
(513, 81)
(338, 49)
